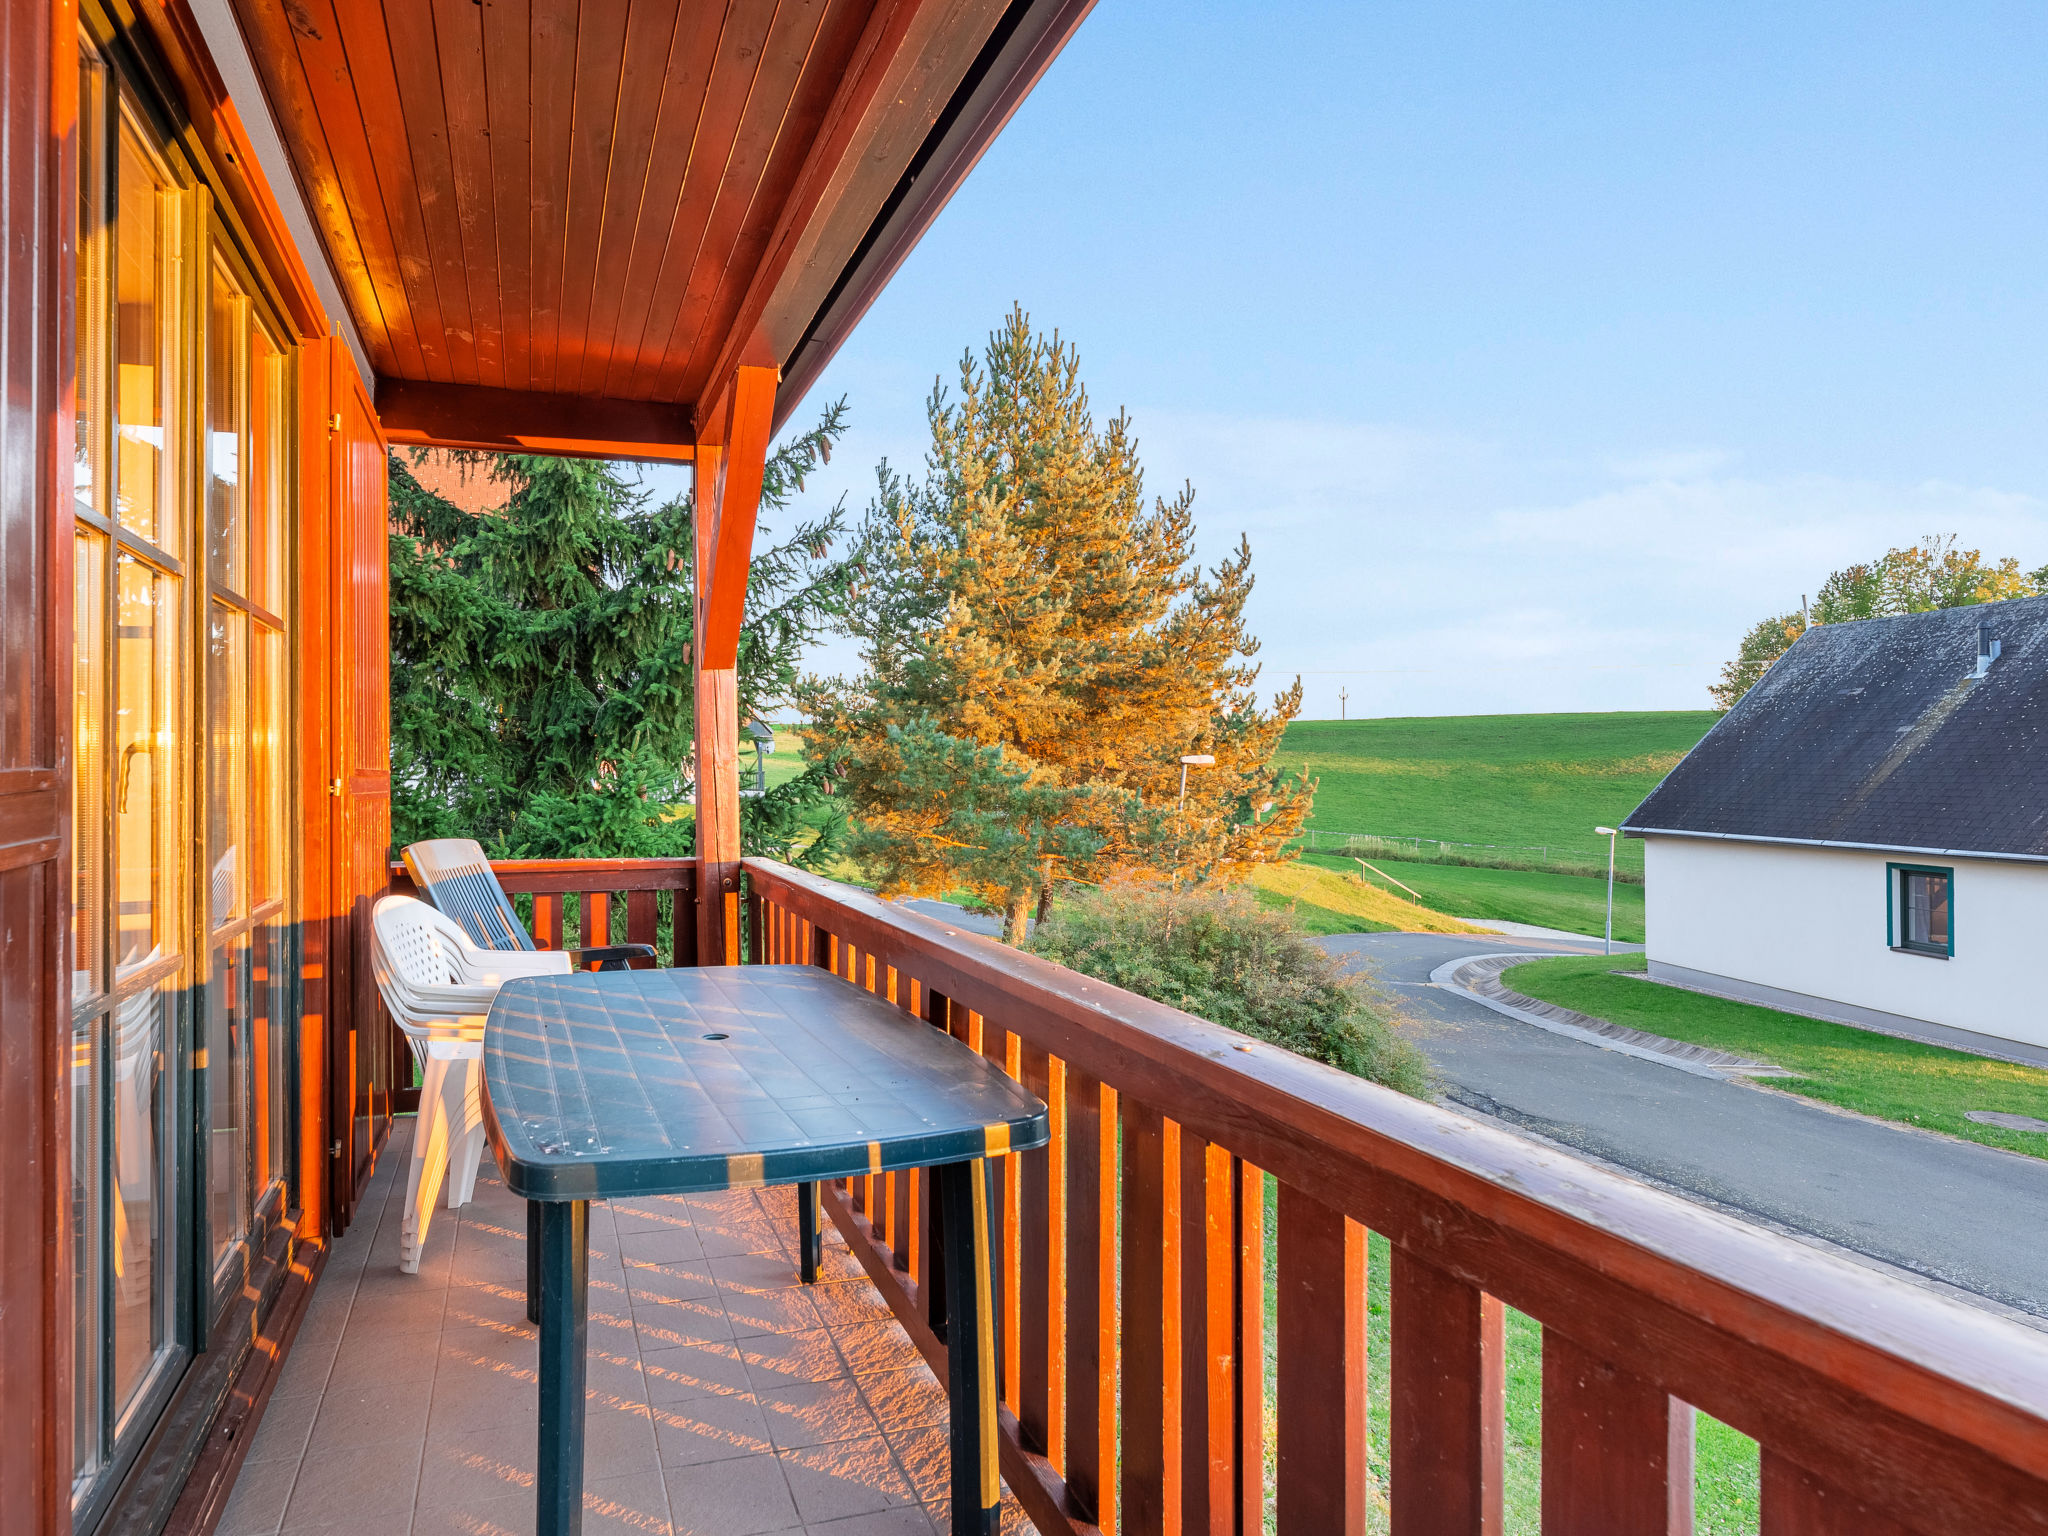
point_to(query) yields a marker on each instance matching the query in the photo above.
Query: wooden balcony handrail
(1880, 1406)
(594, 883)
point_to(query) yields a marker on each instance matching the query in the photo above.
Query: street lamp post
(1194, 760)
(1610, 833)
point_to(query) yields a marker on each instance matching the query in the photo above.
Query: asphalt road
(1967, 1215)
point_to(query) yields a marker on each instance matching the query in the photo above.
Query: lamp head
(1200, 760)
(1606, 831)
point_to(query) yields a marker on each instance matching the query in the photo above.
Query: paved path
(1967, 1215)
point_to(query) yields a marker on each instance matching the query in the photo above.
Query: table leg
(970, 1347)
(808, 1251)
(564, 1346)
(533, 1261)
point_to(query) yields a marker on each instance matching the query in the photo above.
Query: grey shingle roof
(1875, 733)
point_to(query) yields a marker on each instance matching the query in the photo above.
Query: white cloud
(1436, 574)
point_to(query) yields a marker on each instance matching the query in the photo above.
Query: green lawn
(1575, 903)
(1900, 1080)
(1523, 780)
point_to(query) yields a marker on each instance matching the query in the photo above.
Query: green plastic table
(605, 1084)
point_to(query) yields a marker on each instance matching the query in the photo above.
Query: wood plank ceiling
(618, 200)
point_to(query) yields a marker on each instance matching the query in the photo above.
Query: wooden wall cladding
(37, 104)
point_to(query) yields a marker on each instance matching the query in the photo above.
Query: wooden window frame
(1895, 910)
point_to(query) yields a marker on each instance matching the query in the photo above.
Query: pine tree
(541, 681)
(1042, 650)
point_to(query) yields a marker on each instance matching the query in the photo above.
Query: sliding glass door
(131, 965)
(181, 951)
(247, 393)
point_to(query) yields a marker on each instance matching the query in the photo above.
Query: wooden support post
(1449, 1404)
(731, 457)
(1322, 1404)
(1617, 1453)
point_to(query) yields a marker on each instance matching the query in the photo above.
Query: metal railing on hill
(1552, 858)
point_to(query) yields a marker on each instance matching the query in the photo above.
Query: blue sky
(1539, 349)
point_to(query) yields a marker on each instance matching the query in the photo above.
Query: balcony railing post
(1091, 1298)
(1249, 1203)
(1208, 1271)
(1322, 1429)
(1042, 1269)
(1150, 1503)
(1617, 1452)
(1449, 1398)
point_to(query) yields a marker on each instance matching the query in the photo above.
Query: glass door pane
(227, 1005)
(146, 342)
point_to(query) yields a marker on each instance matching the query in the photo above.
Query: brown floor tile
(281, 1433)
(817, 1413)
(710, 1429)
(356, 1416)
(661, 1245)
(786, 1359)
(476, 1467)
(373, 1484)
(742, 1497)
(873, 1347)
(903, 1520)
(848, 1477)
(906, 1399)
(666, 1324)
(695, 1370)
(850, 1303)
(256, 1507)
(778, 1311)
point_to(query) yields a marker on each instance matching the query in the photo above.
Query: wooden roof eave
(925, 86)
(1025, 41)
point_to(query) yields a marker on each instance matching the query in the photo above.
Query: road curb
(1477, 977)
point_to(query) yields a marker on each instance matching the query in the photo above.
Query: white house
(1865, 835)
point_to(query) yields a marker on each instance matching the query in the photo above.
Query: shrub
(1217, 954)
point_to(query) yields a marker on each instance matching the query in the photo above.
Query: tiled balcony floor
(725, 1398)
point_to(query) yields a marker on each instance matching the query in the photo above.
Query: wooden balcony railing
(1879, 1407)
(1138, 1340)
(579, 903)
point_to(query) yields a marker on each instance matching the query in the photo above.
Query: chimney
(1987, 650)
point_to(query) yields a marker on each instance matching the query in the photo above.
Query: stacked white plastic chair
(438, 988)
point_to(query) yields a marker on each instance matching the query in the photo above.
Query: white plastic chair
(439, 988)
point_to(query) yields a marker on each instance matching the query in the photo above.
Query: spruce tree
(1042, 649)
(541, 681)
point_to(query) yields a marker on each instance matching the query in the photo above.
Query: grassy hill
(1518, 780)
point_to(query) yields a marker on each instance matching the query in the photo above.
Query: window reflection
(139, 1167)
(145, 765)
(145, 334)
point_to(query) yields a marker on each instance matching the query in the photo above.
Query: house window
(1923, 910)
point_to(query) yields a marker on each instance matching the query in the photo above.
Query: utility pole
(1610, 833)
(1343, 701)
